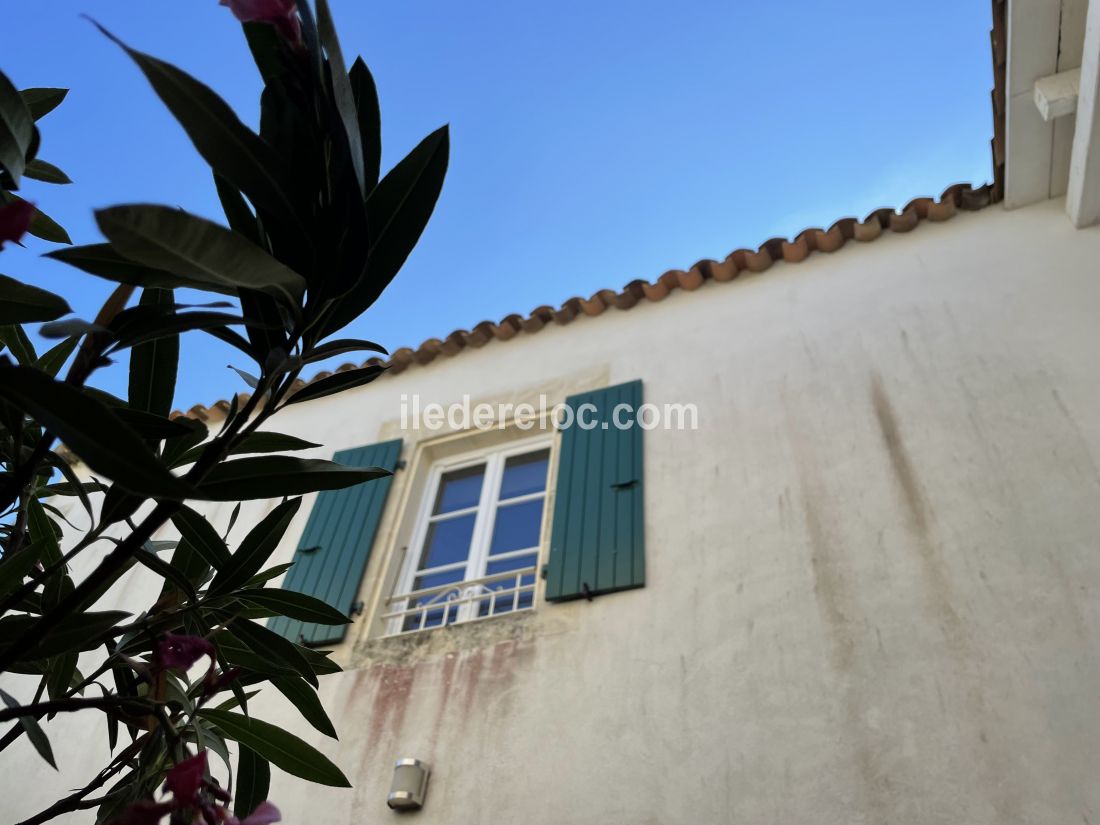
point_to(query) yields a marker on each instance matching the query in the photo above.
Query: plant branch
(40, 709)
(75, 801)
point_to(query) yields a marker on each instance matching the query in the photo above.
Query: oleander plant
(312, 236)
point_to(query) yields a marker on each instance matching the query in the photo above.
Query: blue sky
(592, 142)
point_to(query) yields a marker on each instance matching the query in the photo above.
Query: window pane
(435, 614)
(427, 580)
(504, 565)
(459, 489)
(516, 527)
(511, 601)
(524, 474)
(447, 542)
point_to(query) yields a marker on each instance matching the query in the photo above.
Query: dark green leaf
(167, 571)
(33, 730)
(294, 605)
(202, 536)
(264, 332)
(272, 647)
(92, 431)
(83, 631)
(238, 654)
(59, 674)
(73, 486)
(119, 505)
(42, 225)
(335, 383)
(255, 549)
(103, 261)
(154, 364)
(269, 574)
(16, 568)
(304, 698)
(16, 130)
(265, 43)
(237, 212)
(253, 781)
(180, 445)
(154, 427)
(21, 303)
(208, 738)
(318, 660)
(266, 442)
(341, 90)
(258, 442)
(47, 537)
(16, 340)
(280, 475)
(195, 249)
(341, 346)
(54, 359)
(235, 700)
(41, 101)
(232, 520)
(39, 169)
(152, 329)
(227, 145)
(282, 749)
(189, 564)
(397, 211)
(234, 339)
(370, 120)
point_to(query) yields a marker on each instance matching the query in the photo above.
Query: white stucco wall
(872, 571)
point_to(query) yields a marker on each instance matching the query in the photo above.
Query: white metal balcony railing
(459, 602)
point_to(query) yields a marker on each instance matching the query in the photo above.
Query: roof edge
(959, 196)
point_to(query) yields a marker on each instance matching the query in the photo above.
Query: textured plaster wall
(872, 571)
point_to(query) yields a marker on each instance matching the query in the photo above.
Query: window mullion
(483, 525)
(416, 545)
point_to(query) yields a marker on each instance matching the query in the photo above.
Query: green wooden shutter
(597, 543)
(335, 546)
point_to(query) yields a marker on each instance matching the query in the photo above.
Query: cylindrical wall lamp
(410, 782)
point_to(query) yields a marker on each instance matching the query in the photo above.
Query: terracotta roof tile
(807, 242)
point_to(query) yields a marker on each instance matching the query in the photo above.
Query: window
(475, 549)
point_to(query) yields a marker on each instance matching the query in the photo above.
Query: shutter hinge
(624, 485)
(312, 549)
(587, 592)
(544, 571)
(357, 609)
(400, 465)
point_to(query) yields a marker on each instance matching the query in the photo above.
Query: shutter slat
(342, 526)
(597, 542)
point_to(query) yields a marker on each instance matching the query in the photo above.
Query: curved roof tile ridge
(808, 241)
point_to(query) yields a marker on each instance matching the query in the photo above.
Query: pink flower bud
(185, 778)
(282, 14)
(182, 651)
(15, 218)
(265, 814)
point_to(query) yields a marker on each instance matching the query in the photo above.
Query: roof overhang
(1052, 147)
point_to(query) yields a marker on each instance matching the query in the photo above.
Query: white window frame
(494, 458)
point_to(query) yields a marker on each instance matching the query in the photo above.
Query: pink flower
(282, 14)
(265, 814)
(144, 812)
(15, 219)
(185, 778)
(182, 651)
